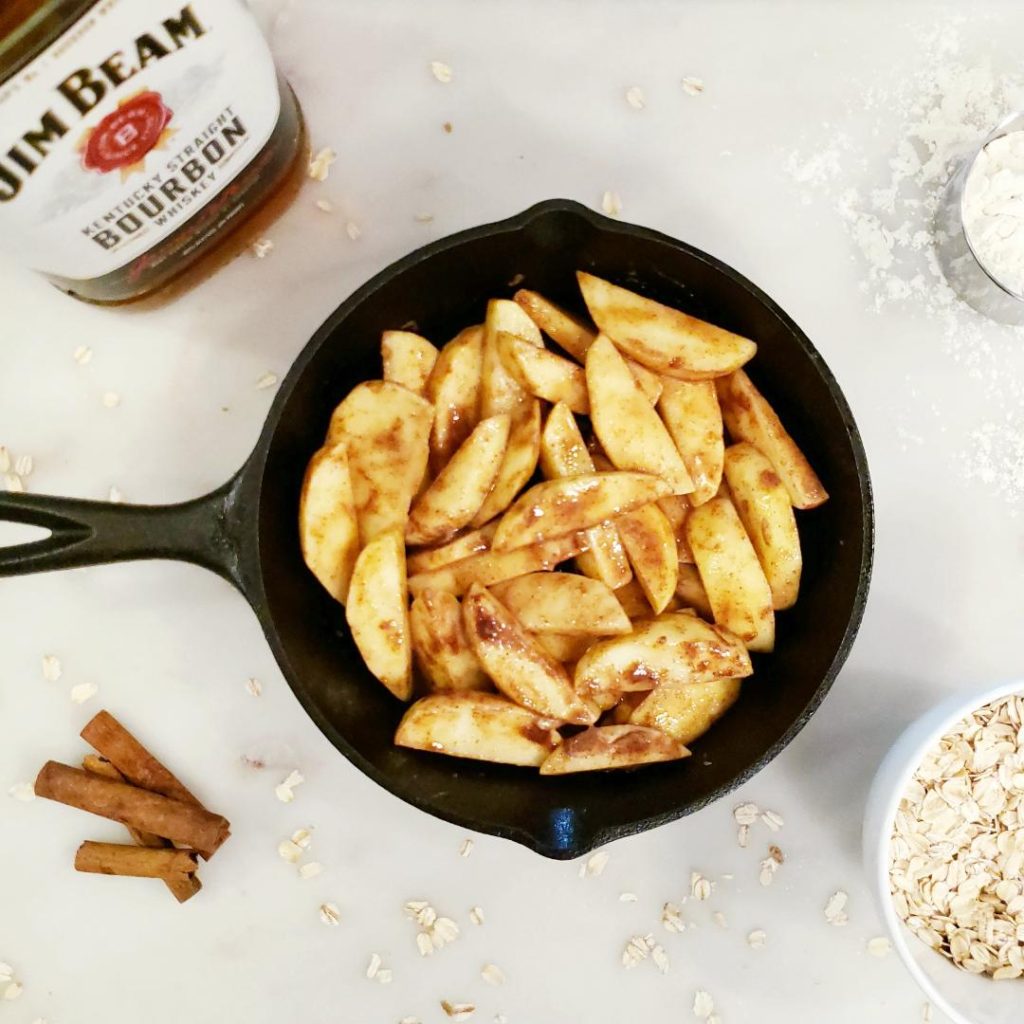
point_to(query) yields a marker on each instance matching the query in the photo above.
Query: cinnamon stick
(137, 861)
(182, 889)
(107, 735)
(193, 826)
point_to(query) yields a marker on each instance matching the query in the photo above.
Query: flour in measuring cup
(993, 210)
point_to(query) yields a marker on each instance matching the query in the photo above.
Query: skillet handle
(203, 531)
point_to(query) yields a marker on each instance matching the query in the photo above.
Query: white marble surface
(538, 110)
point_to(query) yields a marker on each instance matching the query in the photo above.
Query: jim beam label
(126, 127)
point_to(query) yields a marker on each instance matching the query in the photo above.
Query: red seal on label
(124, 137)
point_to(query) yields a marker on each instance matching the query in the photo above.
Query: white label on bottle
(126, 127)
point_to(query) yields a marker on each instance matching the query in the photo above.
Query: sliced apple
(500, 391)
(494, 566)
(686, 712)
(378, 612)
(454, 388)
(440, 646)
(677, 508)
(481, 726)
(573, 335)
(544, 374)
(675, 649)
(328, 528)
(634, 601)
(737, 589)
(749, 417)
(473, 542)
(385, 430)
(661, 338)
(603, 747)
(691, 412)
(567, 648)
(408, 359)
(558, 507)
(458, 491)
(562, 602)
(562, 454)
(691, 592)
(651, 545)
(520, 668)
(630, 431)
(767, 515)
(518, 462)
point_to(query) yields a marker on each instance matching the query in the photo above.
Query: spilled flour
(947, 103)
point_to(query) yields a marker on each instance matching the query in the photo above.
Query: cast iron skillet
(246, 530)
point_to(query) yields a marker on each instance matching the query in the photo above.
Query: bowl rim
(592, 837)
(946, 714)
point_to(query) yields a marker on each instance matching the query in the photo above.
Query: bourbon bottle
(135, 137)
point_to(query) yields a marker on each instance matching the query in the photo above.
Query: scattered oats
(448, 127)
(268, 380)
(410, 1020)
(879, 946)
(374, 966)
(83, 692)
(703, 1004)
(693, 86)
(743, 835)
(13, 990)
(714, 1019)
(320, 165)
(325, 204)
(310, 870)
(385, 976)
(329, 913)
(111, 399)
(637, 949)
(700, 887)
(768, 868)
(776, 854)
(720, 919)
(458, 1011)
(611, 204)
(24, 465)
(261, 248)
(493, 974)
(772, 820)
(254, 686)
(445, 930)
(441, 71)
(476, 915)
(466, 848)
(285, 790)
(727, 877)
(516, 280)
(746, 814)
(353, 230)
(595, 864)
(302, 838)
(52, 669)
(926, 1013)
(13, 483)
(83, 355)
(635, 97)
(289, 851)
(672, 919)
(23, 791)
(423, 944)
(627, 897)
(114, 495)
(423, 218)
(757, 938)
(6, 973)
(5, 459)
(835, 909)
(660, 958)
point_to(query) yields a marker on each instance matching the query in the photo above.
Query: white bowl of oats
(944, 846)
